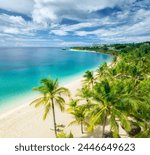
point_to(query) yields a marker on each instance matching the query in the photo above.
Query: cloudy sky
(73, 22)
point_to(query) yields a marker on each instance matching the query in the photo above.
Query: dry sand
(26, 121)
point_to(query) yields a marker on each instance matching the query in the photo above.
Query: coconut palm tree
(80, 118)
(101, 70)
(51, 95)
(105, 71)
(106, 108)
(78, 111)
(72, 105)
(89, 79)
(84, 94)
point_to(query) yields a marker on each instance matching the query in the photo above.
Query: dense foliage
(119, 95)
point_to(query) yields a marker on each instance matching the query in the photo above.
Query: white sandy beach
(26, 121)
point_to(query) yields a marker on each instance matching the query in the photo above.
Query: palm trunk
(103, 130)
(54, 118)
(82, 127)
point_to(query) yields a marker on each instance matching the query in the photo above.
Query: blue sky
(73, 22)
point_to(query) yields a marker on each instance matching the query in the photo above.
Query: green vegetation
(114, 49)
(51, 95)
(120, 94)
(117, 95)
(64, 135)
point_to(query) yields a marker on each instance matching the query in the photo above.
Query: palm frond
(114, 126)
(90, 128)
(38, 101)
(123, 119)
(47, 109)
(62, 90)
(73, 122)
(61, 102)
(98, 117)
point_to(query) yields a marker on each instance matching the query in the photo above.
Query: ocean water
(21, 69)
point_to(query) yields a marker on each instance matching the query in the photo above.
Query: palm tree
(72, 105)
(106, 108)
(79, 115)
(78, 111)
(51, 95)
(89, 79)
(105, 71)
(84, 94)
(101, 70)
(120, 94)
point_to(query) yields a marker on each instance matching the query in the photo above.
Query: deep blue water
(21, 69)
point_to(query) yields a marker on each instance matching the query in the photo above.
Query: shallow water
(21, 69)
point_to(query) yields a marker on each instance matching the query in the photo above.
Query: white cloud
(17, 20)
(17, 25)
(59, 32)
(65, 29)
(13, 20)
(11, 30)
(139, 26)
(21, 6)
(54, 11)
(99, 32)
(125, 39)
(47, 15)
(75, 43)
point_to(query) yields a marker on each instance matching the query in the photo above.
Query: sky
(61, 23)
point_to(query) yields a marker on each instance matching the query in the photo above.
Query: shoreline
(30, 97)
(26, 121)
(27, 96)
(100, 52)
(71, 49)
(21, 101)
(6, 108)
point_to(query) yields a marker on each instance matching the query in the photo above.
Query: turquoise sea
(22, 68)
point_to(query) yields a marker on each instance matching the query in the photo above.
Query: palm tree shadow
(96, 134)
